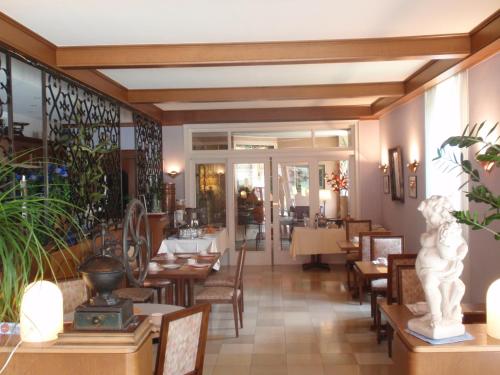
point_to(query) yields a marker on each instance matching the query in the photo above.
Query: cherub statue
(439, 266)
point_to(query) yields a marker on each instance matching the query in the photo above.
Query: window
(445, 115)
(209, 141)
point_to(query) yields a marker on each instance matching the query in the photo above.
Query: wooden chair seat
(163, 288)
(137, 295)
(217, 293)
(220, 279)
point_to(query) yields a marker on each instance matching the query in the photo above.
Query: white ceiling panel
(264, 75)
(177, 106)
(100, 22)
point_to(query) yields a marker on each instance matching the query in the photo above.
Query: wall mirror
(396, 174)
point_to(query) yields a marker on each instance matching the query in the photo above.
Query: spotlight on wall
(173, 174)
(413, 166)
(383, 168)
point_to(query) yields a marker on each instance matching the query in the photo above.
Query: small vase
(344, 207)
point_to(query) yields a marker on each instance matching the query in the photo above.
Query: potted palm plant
(31, 228)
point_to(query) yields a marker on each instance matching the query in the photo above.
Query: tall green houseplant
(31, 227)
(487, 154)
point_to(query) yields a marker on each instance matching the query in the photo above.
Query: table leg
(316, 263)
(190, 293)
(181, 292)
(361, 282)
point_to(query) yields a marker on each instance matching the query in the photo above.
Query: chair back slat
(393, 261)
(354, 227)
(183, 338)
(382, 246)
(409, 286)
(364, 242)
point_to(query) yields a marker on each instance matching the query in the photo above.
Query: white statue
(439, 266)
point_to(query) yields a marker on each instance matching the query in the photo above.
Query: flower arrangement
(338, 182)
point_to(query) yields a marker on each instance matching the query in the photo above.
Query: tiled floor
(295, 323)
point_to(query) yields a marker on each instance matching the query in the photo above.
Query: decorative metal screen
(4, 95)
(84, 137)
(148, 145)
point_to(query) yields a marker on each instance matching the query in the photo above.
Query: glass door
(294, 203)
(251, 210)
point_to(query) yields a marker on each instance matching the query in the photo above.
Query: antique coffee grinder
(104, 270)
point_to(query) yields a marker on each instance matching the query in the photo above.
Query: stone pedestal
(444, 329)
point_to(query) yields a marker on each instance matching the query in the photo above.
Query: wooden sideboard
(413, 356)
(158, 225)
(83, 354)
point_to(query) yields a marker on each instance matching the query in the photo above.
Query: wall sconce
(173, 174)
(487, 165)
(383, 168)
(41, 321)
(413, 166)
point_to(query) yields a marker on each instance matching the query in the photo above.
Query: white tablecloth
(212, 243)
(217, 242)
(310, 241)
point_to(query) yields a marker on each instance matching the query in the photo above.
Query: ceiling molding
(265, 115)
(298, 52)
(203, 95)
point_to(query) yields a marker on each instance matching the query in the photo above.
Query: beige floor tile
(231, 370)
(301, 348)
(210, 359)
(338, 359)
(236, 349)
(268, 370)
(234, 360)
(268, 360)
(269, 348)
(341, 369)
(374, 370)
(372, 359)
(305, 370)
(334, 347)
(303, 359)
(208, 369)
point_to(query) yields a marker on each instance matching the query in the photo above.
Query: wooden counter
(83, 353)
(413, 356)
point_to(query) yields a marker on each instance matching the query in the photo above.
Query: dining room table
(367, 271)
(184, 275)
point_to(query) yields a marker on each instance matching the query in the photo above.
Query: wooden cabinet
(158, 225)
(90, 353)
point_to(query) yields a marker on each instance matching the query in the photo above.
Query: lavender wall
(404, 127)
(370, 180)
(484, 251)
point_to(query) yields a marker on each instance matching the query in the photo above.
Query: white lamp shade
(325, 195)
(493, 310)
(41, 312)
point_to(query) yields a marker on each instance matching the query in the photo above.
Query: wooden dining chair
(353, 227)
(228, 294)
(381, 246)
(182, 342)
(227, 279)
(408, 285)
(393, 261)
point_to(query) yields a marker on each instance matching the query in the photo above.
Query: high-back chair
(393, 262)
(365, 243)
(409, 286)
(183, 338)
(354, 227)
(228, 295)
(382, 246)
(74, 292)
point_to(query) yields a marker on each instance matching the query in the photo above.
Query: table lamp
(41, 312)
(493, 310)
(325, 195)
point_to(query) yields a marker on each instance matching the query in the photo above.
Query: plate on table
(173, 266)
(200, 265)
(184, 256)
(208, 255)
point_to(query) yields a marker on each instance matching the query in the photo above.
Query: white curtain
(446, 114)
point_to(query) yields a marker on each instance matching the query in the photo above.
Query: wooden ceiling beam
(264, 53)
(265, 115)
(267, 93)
(485, 42)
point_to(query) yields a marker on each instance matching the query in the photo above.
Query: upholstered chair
(353, 227)
(74, 292)
(183, 337)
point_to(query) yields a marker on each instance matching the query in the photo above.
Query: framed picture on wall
(396, 173)
(412, 186)
(387, 189)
